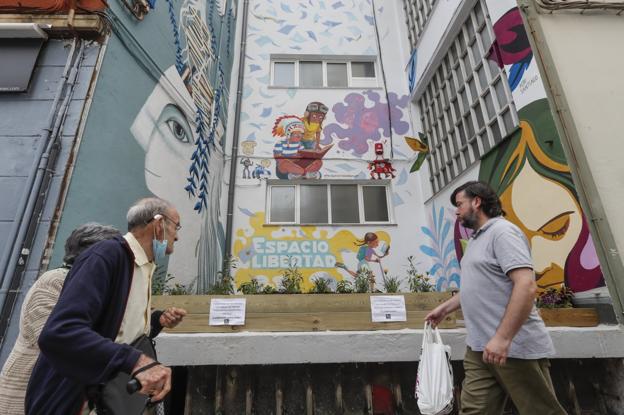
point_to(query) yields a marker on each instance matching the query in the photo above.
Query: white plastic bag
(434, 382)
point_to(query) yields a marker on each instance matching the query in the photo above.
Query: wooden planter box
(570, 317)
(303, 312)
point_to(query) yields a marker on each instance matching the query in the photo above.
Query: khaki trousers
(526, 382)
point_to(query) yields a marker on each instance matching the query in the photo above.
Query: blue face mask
(159, 248)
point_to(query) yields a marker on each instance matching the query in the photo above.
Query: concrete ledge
(357, 346)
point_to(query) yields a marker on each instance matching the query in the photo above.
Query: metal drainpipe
(23, 231)
(235, 138)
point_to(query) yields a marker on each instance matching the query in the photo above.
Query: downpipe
(235, 137)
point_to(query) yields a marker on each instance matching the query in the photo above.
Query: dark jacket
(78, 341)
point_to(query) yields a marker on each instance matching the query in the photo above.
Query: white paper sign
(227, 312)
(388, 308)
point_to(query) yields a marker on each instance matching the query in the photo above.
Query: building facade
(482, 104)
(326, 178)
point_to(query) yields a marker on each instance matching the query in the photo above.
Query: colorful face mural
(530, 174)
(181, 140)
(264, 252)
(298, 152)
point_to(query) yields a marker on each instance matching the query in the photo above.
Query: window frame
(360, 200)
(352, 81)
(461, 133)
(417, 15)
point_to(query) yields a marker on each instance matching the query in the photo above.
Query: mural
(511, 46)
(167, 137)
(332, 253)
(298, 152)
(181, 131)
(420, 145)
(369, 251)
(357, 123)
(325, 134)
(380, 165)
(441, 249)
(531, 175)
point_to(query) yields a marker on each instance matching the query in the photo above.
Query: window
(417, 12)
(347, 203)
(337, 75)
(362, 69)
(284, 73)
(466, 108)
(323, 73)
(310, 74)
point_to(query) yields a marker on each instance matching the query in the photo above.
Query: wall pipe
(235, 137)
(23, 230)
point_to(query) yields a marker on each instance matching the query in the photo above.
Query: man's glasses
(177, 224)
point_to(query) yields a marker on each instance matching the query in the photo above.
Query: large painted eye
(178, 131)
(556, 228)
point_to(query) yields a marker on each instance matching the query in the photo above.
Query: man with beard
(507, 341)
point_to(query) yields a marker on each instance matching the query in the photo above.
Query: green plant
(225, 282)
(181, 289)
(269, 289)
(250, 287)
(344, 287)
(391, 284)
(364, 281)
(162, 285)
(418, 283)
(291, 279)
(321, 285)
(160, 280)
(555, 298)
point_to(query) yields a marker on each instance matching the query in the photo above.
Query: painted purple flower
(357, 122)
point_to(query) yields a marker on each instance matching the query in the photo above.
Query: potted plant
(556, 308)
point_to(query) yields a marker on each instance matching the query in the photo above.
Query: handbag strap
(144, 368)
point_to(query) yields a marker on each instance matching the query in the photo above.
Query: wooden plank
(569, 317)
(301, 303)
(317, 321)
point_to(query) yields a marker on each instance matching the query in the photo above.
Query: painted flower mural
(358, 121)
(441, 250)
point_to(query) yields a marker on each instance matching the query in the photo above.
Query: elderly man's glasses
(177, 224)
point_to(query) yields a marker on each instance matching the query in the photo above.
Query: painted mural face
(549, 216)
(536, 191)
(165, 133)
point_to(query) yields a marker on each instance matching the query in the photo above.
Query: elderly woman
(38, 303)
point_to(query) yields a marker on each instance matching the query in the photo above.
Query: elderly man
(103, 308)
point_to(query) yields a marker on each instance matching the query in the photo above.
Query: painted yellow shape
(338, 242)
(416, 145)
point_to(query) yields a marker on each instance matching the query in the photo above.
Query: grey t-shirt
(496, 248)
